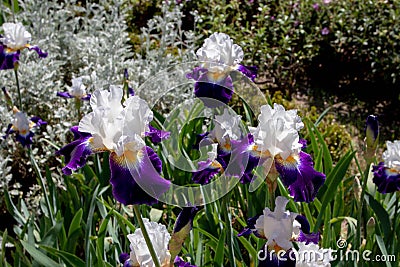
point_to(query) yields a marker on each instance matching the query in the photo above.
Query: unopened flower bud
(371, 227)
(357, 188)
(371, 136)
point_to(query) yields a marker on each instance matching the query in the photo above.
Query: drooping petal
(8, 60)
(248, 71)
(207, 171)
(156, 135)
(64, 94)
(213, 91)
(250, 228)
(127, 172)
(386, 179)
(76, 152)
(25, 140)
(38, 51)
(299, 175)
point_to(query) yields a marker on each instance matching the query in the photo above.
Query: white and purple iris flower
(276, 139)
(219, 56)
(77, 90)
(14, 39)
(119, 129)
(280, 228)
(228, 145)
(22, 126)
(165, 245)
(387, 172)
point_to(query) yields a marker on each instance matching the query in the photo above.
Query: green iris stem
(146, 235)
(18, 88)
(78, 108)
(229, 231)
(396, 208)
(360, 208)
(42, 185)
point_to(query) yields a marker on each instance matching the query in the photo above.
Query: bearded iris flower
(280, 228)
(387, 172)
(166, 246)
(15, 39)
(77, 90)
(228, 154)
(276, 140)
(22, 126)
(219, 56)
(119, 129)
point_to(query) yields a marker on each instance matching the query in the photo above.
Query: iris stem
(229, 231)
(18, 88)
(396, 208)
(78, 108)
(146, 235)
(360, 208)
(42, 184)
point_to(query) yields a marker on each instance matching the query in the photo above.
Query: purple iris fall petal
(64, 94)
(123, 257)
(38, 121)
(309, 238)
(7, 60)
(249, 71)
(206, 172)
(302, 180)
(131, 184)
(76, 152)
(38, 51)
(178, 262)
(387, 181)
(185, 218)
(212, 93)
(25, 140)
(156, 135)
(86, 97)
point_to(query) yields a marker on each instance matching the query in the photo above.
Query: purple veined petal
(38, 51)
(25, 140)
(76, 152)
(267, 258)
(249, 71)
(132, 180)
(178, 262)
(387, 180)
(38, 121)
(8, 60)
(156, 135)
(64, 94)
(299, 175)
(213, 93)
(207, 171)
(123, 257)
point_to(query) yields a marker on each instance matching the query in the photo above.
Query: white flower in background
(159, 236)
(78, 89)
(219, 53)
(312, 255)
(277, 132)
(278, 226)
(21, 123)
(15, 36)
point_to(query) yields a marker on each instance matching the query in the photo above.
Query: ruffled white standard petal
(78, 89)
(226, 127)
(21, 123)
(220, 50)
(159, 237)
(392, 155)
(312, 255)
(278, 226)
(15, 36)
(277, 131)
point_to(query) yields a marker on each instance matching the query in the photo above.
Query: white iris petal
(15, 36)
(392, 155)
